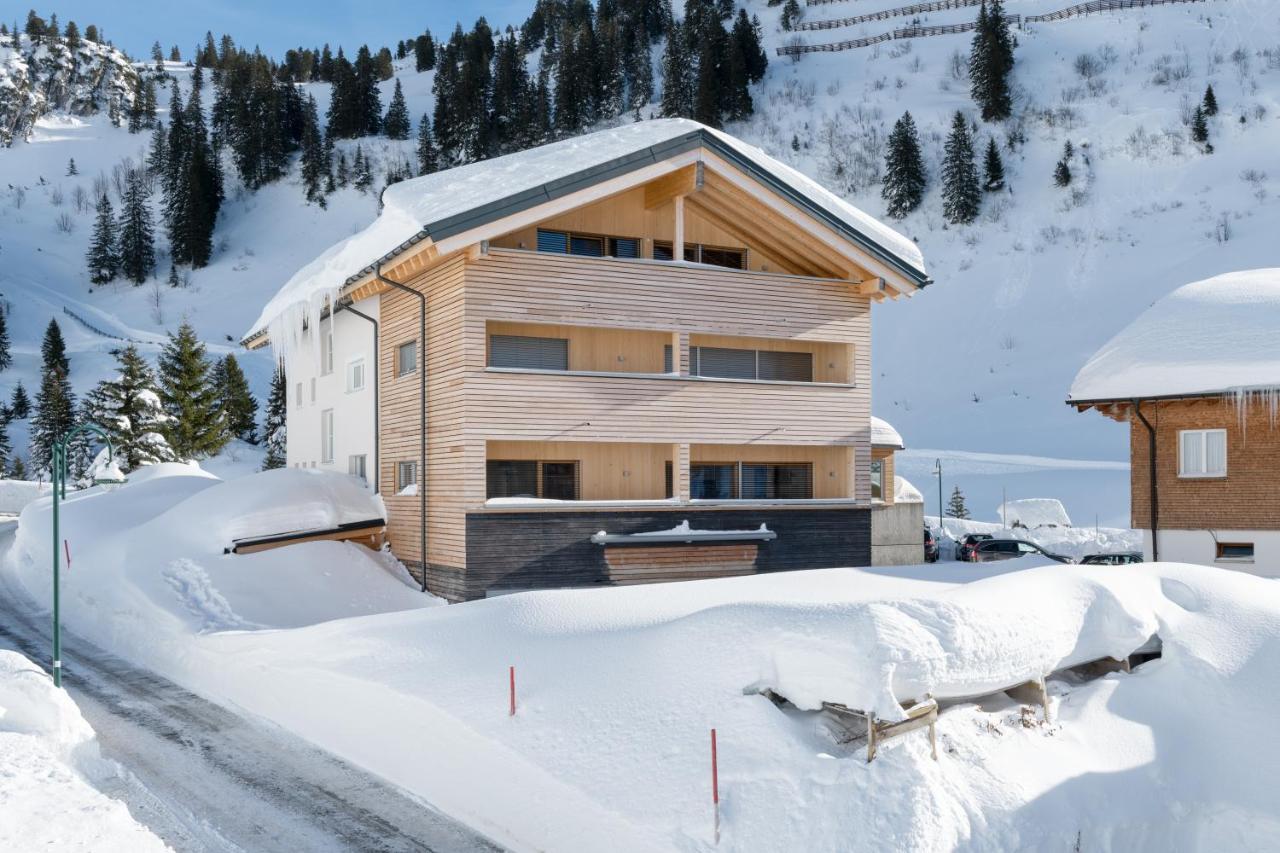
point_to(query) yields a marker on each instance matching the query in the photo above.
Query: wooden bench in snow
(919, 715)
(368, 533)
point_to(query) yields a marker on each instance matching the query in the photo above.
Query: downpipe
(1155, 491)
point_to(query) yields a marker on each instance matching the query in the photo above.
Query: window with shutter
(553, 241)
(624, 247)
(591, 247)
(528, 353)
(668, 359)
(662, 251)
(507, 478)
(712, 481)
(785, 366)
(725, 363)
(406, 475)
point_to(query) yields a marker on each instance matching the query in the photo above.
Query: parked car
(990, 550)
(966, 546)
(930, 547)
(1122, 558)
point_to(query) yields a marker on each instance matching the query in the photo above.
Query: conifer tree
(274, 427)
(197, 425)
(71, 167)
(17, 470)
(102, 259)
(1200, 130)
(53, 350)
(136, 236)
(955, 506)
(428, 157)
(128, 408)
(20, 404)
(158, 153)
(315, 160)
(1210, 102)
(1062, 173)
(396, 123)
(72, 35)
(961, 193)
(344, 173)
(6, 447)
(790, 14)
(993, 168)
(424, 52)
(54, 415)
(991, 62)
(904, 175)
(677, 77)
(361, 171)
(6, 358)
(238, 404)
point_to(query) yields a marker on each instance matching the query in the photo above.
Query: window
(1202, 453)
(527, 478)
(406, 475)
(299, 393)
(587, 245)
(355, 374)
(406, 358)
(528, 352)
(735, 259)
(877, 480)
(1235, 551)
(313, 389)
(751, 481)
(771, 365)
(326, 349)
(326, 435)
(357, 466)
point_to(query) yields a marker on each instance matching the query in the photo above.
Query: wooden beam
(681, 182)
(774, 244)
(677, 244)
(872, 287)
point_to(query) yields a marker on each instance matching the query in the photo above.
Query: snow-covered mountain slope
(980, 362)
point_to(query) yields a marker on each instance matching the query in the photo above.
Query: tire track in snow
(206, 779)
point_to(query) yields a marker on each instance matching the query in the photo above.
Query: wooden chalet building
(650, 328)
(1197, 378)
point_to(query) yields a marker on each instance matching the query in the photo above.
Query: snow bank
(45, 800)
(1074, 542)
(1216, 335)
(1034, 513)
(16, 494)
(904, 492)
(412, 206)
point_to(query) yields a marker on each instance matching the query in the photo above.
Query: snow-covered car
(966, 547)
(991, 550)
(930, 547)
(1122, 558)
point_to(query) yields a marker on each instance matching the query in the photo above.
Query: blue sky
(276, 25)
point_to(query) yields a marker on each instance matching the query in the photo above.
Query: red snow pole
(66, 547)
(715, 785)
(511, 672)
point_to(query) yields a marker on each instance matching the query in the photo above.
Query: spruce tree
(71, 167)
(993, 168)
(237, 403)
(102, 258)
(20, 404)
(128, 408)
(361, 171)
(197, 425)
(1200, 129)
(158, 153)
(1210, 102)
(137, 239)
(905, 177)
(677, 76)
(396, 123)
(424, 52)
(961, 192)
(991, 62)
(54, 415)
(1062, 173)
(315, 160)
(53, 349)
(274, 428)
(955, 506)
(790, 14)
(6, 358)
(6, 447)
(428, 157)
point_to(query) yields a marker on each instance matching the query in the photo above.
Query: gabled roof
(1211, 337)
(884, 435)
(465, 198)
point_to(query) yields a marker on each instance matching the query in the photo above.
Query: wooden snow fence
(920, 715)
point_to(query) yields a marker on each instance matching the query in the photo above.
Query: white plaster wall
(353, 411)
(1198, 546)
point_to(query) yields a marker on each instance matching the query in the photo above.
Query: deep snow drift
(617, 688)
(46, 803)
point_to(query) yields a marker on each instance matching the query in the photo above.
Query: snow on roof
(884, 435)
(904, 492)
(1035, 512)
(457, 199)
(1219, 335)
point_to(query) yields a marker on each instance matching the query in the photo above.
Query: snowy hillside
(978, 363)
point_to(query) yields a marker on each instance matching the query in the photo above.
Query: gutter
(1155, 490)
(377, 446)
(422, 410)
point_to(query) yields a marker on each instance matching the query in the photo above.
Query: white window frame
(326, 436)
(1202, 436)
(326, 348)
(362, 465)
(352, 364)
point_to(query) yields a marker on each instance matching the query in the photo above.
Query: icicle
(1245, 398)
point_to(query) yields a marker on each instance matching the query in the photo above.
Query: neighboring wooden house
(1197, 377)
(624, 332)
(897, 517)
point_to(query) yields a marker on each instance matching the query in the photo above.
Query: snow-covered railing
(914, 9)
(1075, 11)
(683, 533)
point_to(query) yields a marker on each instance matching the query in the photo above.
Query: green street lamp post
(58, 478)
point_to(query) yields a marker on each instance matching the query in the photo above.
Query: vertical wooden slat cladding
(531, 550)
